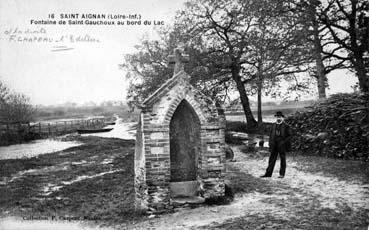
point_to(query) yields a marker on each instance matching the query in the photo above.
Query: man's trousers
(277, 149)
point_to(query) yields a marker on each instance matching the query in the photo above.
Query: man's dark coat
(286, 135)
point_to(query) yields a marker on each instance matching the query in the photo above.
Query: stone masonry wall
(140, 170)
(154, 145)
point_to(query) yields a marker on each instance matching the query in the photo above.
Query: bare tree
(14, 107)
(277, 48)
(322, 47)
(258, 40)
(348, 23)
(4, 93)
(225, 25)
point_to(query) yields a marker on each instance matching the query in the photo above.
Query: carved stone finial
(178, 59)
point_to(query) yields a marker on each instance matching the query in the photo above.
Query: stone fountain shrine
(180, 142)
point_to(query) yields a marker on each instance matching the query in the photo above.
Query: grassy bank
(94, 180)
(17, 137)
(80, 112)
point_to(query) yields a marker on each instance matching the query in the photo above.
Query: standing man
(279, 143)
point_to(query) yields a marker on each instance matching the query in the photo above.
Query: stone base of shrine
(180, 201)
(184, 188)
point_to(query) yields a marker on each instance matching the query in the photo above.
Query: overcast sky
(83, 71)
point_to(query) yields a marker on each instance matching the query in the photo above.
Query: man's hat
(278, 114)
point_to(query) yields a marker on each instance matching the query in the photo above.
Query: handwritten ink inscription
(40, 35)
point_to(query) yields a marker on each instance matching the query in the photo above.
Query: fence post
(29, 127)
(49, 128)
(39, 128)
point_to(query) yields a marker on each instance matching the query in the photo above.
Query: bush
(15, 107)
(336, 127)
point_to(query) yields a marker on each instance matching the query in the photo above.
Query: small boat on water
(82, 131)
(109, 123)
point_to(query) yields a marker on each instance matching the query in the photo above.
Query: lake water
(60, 120)
(242, 117)
(34, 148)
(122, 130)
(26, 150)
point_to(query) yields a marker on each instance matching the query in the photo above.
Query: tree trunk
(260, 116)
(251, 122)
(322, 84)
(358, 53)
(320, 73)
(361, 73)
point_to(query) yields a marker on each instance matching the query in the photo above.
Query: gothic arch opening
(185, 143)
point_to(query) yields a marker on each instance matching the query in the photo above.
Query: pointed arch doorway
(185, 144)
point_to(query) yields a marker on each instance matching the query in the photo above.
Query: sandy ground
(308, 197)
(286, 200)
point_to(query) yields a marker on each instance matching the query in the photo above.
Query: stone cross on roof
(178, 59)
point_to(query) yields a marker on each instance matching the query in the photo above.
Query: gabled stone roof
(164, 88)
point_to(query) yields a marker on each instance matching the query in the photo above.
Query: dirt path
(302, 200)
(317, 193)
